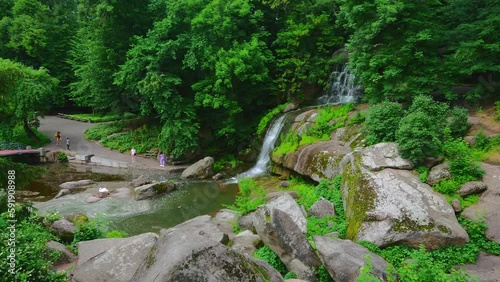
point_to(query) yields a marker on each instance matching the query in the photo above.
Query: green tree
(202, 70)
(105, 28)
(306, 35)
(24, 95)
(382, 121)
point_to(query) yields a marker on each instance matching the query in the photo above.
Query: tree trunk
(30, 132)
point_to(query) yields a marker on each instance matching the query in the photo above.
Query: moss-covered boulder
(153, 189)
(387, 206)
(192, 251)
(320, 160)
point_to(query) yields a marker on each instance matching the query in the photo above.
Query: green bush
(142, 139)
(32, 263)
(289, 144)
(458, 122)
(447, 186)
(328, 119)
(252, 195)
(104, 130)
(100, 118)
(464, 164)
(62, 157)
(19, 136)
(116, 234)
(418, 137)
(423, 172)
(265, 253)
(95, 228)
(381, 122)
(226, 162)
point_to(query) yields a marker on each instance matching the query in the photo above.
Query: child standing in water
(162, 159)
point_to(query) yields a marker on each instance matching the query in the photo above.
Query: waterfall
(341, 88)
(268, 145)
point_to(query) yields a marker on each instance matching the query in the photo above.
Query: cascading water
(341, 88)
(268, 145)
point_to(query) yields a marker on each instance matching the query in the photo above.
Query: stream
(192, 198)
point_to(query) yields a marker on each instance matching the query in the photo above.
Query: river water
(192, 198)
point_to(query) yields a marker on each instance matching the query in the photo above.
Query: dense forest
(205, 71)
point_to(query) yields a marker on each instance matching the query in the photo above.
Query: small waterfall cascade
(341, 88)
(268, 145)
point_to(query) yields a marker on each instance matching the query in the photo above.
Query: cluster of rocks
(206, 249)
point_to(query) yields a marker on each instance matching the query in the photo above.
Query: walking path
(49, 125)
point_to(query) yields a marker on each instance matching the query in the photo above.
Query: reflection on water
(193, 198)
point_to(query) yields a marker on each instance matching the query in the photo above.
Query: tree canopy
(205, 71)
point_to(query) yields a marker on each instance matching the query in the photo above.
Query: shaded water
(193, 198)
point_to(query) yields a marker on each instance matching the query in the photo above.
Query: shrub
(421, 131)
(265, 253)
(381, 122)
(252, 195)
(226, 162)
(464, 165)
(458, 122)
(289, 143)
(116, 234)
(447, 186)
(423, 172)
(62, 157)
(418, 137)
(95, 228)
(31, 239)
(104, 130)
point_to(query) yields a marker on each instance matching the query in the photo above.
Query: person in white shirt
(132, 154)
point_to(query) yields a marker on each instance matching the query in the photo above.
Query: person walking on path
(162, 159)
(67, 143)
(57, 136)
(132, 154)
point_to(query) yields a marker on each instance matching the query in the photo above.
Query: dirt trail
(79, 145)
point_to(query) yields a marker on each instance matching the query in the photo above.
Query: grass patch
(104, 130)
(265, 120)
(99, 117)
(252, 195)
(327, 120)
(143, 139)
(19, 136)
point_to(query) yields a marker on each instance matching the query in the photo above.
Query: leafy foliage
(252, 195)
(382, 122)
(464, 164)
(61, 157)
(226, 162)
(458, 122)
(104, 130)
(95, 228)
(265, 253)
(30, 242)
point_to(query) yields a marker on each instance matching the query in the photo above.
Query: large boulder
(280, 232)
(473, 187)
(322, 208)
(287, 204)
(224, 220)
(383, 155)
(153, 189)
(392, 206)
(486, 267)
(343, 259)
(245, 222)
(201, 169)
(438, 173)
(487, 207)
(75, 184)
(139, 181)
(64, 229)
(65, 255)
(114, 259)
(318, 161)
(246, 242)
(192, 252)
